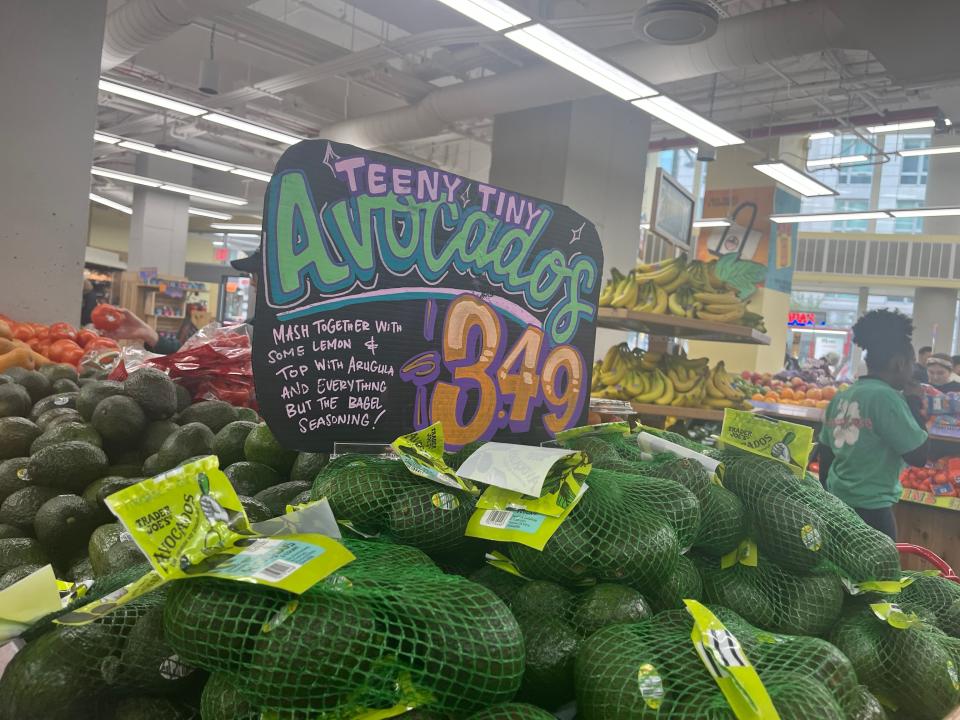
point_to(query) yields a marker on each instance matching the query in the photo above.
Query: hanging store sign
(394, 295)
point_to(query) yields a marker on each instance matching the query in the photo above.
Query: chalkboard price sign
(394, 295)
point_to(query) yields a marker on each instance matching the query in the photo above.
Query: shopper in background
(133, 328)
(874, 425)
(940, 373)
(90, 299)
(920, 368)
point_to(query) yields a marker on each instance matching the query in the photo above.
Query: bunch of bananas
(663, 379)
(678, 287)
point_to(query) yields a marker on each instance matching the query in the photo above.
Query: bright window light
(206, 195)
(255, 174)
(900, 127)
(817, 330)
(842, 160)
(830, 217)
(235, 226)
(111, 204)
(925, 212)
(492, 13)
(253, 129)
(151, 98)
(823, 135)
(218, 243)
(124, 177)
(942, 150)
(109, 139)
(571, 57)
(688, 121)
(794, 179)
(203, 212)
(711, 223)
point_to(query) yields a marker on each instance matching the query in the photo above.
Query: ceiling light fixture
(255, 174)
(108, 139)
(111, 204)
(681, 118)
(218, 243)
(842, 160)
(242, 235)
(171, 187)
(494, 14)
(151, 98)
(794, 179)
(925, 212)
(818, 330)
(829, 217)
(252, 128)
(557, 49)
(190, 158)
(235, 226)
(203, 212)
(822, 135)
(711, 223)
(942, 150)
(900, 127)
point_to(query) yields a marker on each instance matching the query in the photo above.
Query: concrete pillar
(588, 154)
(49, 65)
(934, 313)
(943, 181)
(159, 224)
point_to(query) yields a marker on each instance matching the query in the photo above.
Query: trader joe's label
(394, 295)
(780, 440)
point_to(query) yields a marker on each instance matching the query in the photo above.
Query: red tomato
(86, 336)
(43, 346)
(61, 350)
(106, 317)
(940, 478)
(101, 343)
(34, 343)
(62, 331)
(24, 332)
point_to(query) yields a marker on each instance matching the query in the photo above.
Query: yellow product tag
(726, 661)
(502, 562)
(779, 440)
(617, 428)
(28, 600)
(422, 453)
(894, 616)
(516, 524)
(745, 554)
(886, 587)
(108, 603)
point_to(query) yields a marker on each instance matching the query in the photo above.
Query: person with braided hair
(873, 426)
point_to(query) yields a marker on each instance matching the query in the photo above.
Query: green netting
(935, 597)
(610, 536)
(513, 711)
(378, 632)
(379, 496)
(689, 473)
(651, 670)
(800, 526)
(773, 599)
(684, 583)
(913, 669)
(722, 522)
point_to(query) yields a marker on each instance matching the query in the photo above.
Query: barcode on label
(277, 570)
(496, 518)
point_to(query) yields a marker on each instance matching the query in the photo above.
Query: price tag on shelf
(778, 440)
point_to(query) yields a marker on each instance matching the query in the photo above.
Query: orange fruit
(787, 393)
(828, 393)
(800, 395)
(808, 402)
(822, 404)
(757, 396)
(815, 394)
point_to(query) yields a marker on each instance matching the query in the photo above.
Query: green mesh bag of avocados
(513, 711)
(380, 496)
(379, 633)
(935, 598)
(771, 598)
(912, 669)
(800, 526)
(652, 670)
(611, 535)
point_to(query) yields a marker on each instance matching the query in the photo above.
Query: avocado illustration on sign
(781, 449)
(223, 528)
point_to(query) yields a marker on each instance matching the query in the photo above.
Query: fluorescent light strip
(681, 118)
(108, 139)
(711, 223)
(925, 212)
(829, 217)
(253, 129)
(202, 212)
(557, 49)
(242, 235)
(235, 226)
(255, 174)
(794, 179)
(942, 150)
(494, 14)
(218, 243)
(825, 134)
(816, 330)
(111, 204)
(842, 160)
(150, 98)
(899, 127)
(192, 159)
(171, 187)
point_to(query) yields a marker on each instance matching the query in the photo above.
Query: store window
(682, 164)
(908, 225)
(855, 174)
(850, 205)
(914, 169)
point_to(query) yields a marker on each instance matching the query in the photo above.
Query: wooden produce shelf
(791, 412)
(687, 413)
(674, 326)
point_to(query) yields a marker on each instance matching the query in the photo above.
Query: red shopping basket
(931, 557)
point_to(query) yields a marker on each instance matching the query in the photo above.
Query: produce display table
(675, 326)
(685, 413)
(931, 521)
(797, 413)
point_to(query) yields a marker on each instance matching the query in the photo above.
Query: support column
(49, 65)
(589, 154)
(159, 224)
(934, 313)
(943, 179)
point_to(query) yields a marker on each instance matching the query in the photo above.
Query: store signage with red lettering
(801, 319)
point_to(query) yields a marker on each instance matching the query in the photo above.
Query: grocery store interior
(747, 214)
